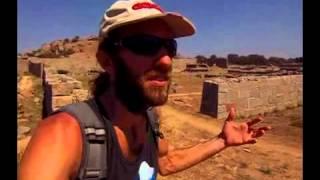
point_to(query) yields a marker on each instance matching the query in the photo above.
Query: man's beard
(134, 92)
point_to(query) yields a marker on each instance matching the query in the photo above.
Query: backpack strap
(154, 123)
(94, 156)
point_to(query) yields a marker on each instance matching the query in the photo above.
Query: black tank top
(144, 167)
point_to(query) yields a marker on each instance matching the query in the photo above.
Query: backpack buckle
(96, 135)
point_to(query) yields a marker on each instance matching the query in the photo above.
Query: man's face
(146, 77)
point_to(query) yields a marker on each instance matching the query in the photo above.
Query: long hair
(102, 82)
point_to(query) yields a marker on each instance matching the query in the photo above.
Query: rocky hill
(63, 48)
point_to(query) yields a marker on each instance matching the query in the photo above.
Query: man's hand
(236, 134)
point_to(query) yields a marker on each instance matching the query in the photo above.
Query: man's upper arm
(54, 151)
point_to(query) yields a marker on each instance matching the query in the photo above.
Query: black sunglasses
(148, 45)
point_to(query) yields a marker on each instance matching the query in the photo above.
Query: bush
(67, 52)
(47, 54)
(66, 40)
(201, 59)
(75, 39)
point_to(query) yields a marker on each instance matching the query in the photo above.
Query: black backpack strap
(155, 125)
(94, 157)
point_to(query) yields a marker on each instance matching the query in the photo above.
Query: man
(135, 50)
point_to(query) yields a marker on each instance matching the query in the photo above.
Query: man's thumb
(232, 114)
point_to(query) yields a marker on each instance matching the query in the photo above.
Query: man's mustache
(154, 75)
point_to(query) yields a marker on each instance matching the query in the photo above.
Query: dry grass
(31, 109)
(266, 170)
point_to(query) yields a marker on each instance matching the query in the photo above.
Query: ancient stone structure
(60, 90)
(292, 68)
(197, 68)
(285, 69)
(35, 68)
(251, 95)
(23, 66)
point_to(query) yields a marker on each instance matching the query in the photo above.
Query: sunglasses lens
(171, 46)
(149, 45)
(142, 45)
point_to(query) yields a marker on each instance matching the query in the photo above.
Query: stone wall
(36, 69)
(251, 95)
(60, 90)
(197, 68)
(22, 66)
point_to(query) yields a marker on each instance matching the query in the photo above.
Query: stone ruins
(251, 95)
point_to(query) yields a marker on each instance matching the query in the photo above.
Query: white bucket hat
(124, 12)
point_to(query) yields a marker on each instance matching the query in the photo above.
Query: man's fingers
(258, 133)
(232, 114)
(252, 141)
(261, 131)
(265, 128)
(254, 121)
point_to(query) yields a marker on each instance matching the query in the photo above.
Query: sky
(265, 27)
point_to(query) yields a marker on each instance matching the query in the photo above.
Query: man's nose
(164, 61)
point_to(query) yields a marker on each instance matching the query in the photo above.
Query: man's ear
(105, 61)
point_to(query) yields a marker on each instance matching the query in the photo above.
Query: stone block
(223, 88)
(222, 98)
(62, 89)
(59, 101)
(254, 93)
(209, 101)
(273, 100)
(269, 109)
(244, 92)
(65, 78)
(233, 96)
(242, 104)
(275, 90)
(79, 95)
(222, 109)
(76, 84)
(254, 102)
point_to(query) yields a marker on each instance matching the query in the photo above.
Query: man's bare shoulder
(60, 122)
(54, 149)
(60, 127)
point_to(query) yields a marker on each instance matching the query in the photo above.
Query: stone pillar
(209, 102)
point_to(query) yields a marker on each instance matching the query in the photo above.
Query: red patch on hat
(146, 5)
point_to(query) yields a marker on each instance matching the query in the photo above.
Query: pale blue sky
(267, 27)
